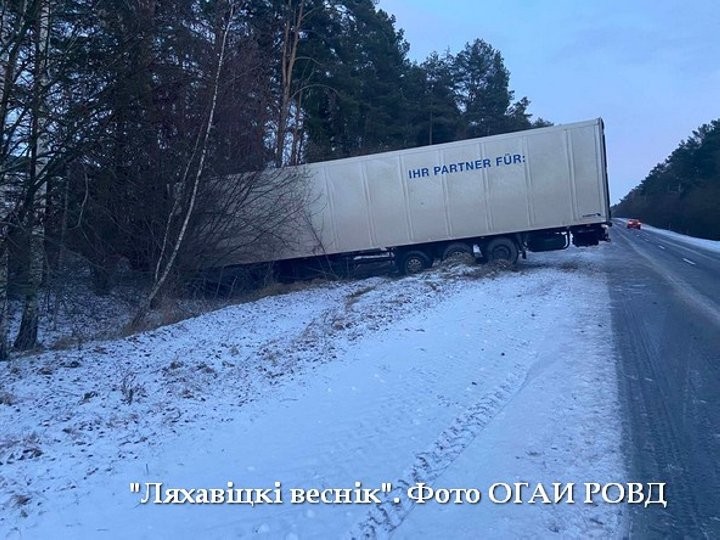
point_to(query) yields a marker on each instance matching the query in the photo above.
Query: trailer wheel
(501, 249)
(412, 262)
(455, 249)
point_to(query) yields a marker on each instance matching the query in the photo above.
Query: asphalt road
(666, 316)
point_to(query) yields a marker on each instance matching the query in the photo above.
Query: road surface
(666, 315)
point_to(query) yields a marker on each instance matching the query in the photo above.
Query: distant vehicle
(634, 224)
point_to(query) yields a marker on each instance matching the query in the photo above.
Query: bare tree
(43, 112)
(250, 217)
(190, 180)
(294, 14)
(24, 147)
(35, 197)
(6, 75)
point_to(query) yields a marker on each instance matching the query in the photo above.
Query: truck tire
(457, 248)
(414, 261)
(501, 249)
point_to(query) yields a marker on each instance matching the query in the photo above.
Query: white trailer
(496, 197)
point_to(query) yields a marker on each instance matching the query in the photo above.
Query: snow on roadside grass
(710, 245)
(114, 397)
(111, 398)
(374, 381)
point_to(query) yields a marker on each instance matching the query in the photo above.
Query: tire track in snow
(429, 465)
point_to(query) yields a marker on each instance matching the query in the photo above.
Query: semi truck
(496, 198)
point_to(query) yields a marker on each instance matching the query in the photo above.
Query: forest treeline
(683, 192)
(118, 118)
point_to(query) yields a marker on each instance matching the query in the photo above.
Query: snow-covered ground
(71, 314)
(460, 377)
(711, 245)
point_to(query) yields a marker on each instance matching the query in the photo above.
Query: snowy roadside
(710, 245)
(456, 377)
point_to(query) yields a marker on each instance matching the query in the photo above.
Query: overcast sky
(649, 68)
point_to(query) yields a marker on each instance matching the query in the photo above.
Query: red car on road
(634, 224)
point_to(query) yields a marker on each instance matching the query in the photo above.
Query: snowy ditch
(458, 378)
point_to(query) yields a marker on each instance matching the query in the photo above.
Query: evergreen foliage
(103, 105)
(683, 192)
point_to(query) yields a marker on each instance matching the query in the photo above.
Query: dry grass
(131, 389)
(18, 449)
(20, 499)
(170, 308)
(569, 266)
(67, 342)
(464, 267)
(6, 398)
(275, 288)
(354, 296)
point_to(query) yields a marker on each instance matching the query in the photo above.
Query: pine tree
(483, 91)
(436, 117)
(683, 192)
(355, 103)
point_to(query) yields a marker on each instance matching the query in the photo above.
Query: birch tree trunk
(298, 132)
(201, 146)
(294, 21)
(3, 302)
(37, 184)
(5, 78)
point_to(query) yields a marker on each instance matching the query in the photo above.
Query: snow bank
(710, 245)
